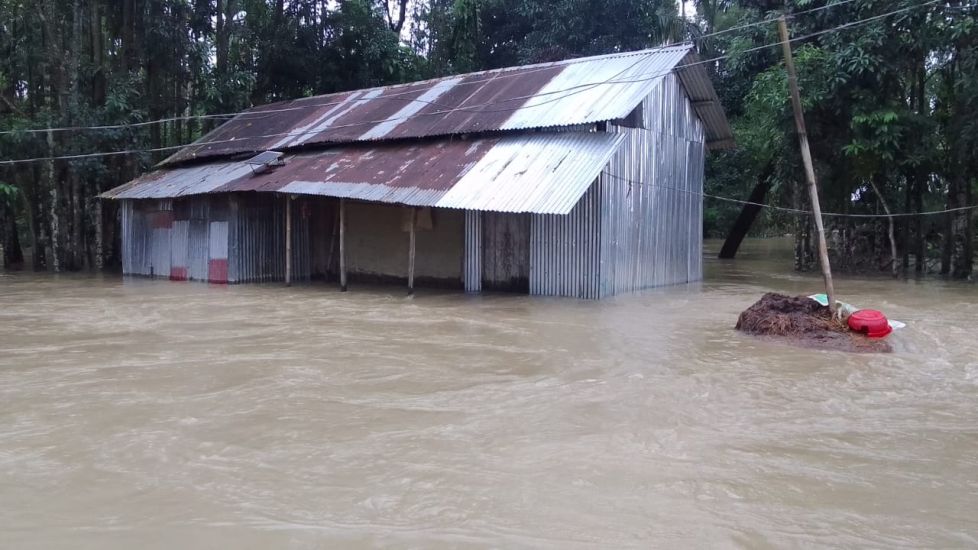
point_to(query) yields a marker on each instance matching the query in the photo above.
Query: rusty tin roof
(544, 173)
(565, 93)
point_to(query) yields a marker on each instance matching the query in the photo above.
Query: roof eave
(695, 79)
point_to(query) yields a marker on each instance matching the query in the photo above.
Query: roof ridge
(614, 55)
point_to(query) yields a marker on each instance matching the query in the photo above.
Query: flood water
(151, 414)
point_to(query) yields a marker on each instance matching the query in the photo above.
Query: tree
(896, 123)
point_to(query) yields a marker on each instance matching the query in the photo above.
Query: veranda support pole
(412, 241)
(288, 240)
(343, 245)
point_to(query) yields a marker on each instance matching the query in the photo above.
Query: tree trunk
(906, 223)
(747, 215)
(894, 269)
(98, 83)
(13, 254)
(962, 249)
(222, 38)
(920, 181)
(76, 230)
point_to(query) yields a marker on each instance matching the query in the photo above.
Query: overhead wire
(396, 96)
(573, 90)
(771, 20)
(786, 209)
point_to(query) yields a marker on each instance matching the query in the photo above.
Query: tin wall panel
(160, 263)
(218, 241)
(257, 244)
(246, 237)
(154, 244)
(472, 268)
(565, 252)
(179, 242)
(128, 236)
(301, 250)
(198, 240)
(505, 251)
(143, 244)
(651, 221)
(257, 239)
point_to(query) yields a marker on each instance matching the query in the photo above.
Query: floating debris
(804, 322)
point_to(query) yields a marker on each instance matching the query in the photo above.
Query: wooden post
(411, 245)
(806, 156)
(288, 240)
(343, 245)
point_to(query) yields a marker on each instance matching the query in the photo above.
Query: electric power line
(580, 88)
(396, 95)
(771, 20)
(786, 209)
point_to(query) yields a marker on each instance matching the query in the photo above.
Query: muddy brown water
(151, 414)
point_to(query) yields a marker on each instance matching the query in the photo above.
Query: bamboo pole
(806, 156)
(411, 247)
(343, 245)
(288, 240)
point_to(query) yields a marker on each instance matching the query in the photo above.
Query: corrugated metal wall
(640, 225)
(256, 243)
(652, 216)
(147, 228)
(217, 238)
(565, 251)
(472, 259)
(506, 251)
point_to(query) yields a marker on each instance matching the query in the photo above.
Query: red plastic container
(870, 322)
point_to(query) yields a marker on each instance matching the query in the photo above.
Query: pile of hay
(801, 321)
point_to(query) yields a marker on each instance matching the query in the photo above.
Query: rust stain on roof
(566, 93)
(536, 172)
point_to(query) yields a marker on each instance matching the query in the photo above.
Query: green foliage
(891, 100)
(8, 195)
(465, 35)
(894, 100)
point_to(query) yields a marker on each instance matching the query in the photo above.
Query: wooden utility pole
(412, 241)
(806, 157)
(342, 245)
(288, 240)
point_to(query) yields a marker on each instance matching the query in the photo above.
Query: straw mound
(801, 321)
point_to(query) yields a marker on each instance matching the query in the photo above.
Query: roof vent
(263, 162)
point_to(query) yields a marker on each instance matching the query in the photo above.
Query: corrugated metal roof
(565, 93)
(537, 172)
(697, 85)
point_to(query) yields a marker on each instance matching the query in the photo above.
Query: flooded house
(579, 178)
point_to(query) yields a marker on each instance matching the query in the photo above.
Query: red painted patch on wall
(162, 220)
(178, 273)
(217, 271)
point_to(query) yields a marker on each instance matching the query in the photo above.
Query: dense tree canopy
(890, 101)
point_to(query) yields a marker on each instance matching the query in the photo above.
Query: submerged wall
(238, 238)
(638, 226)
(565, 251)
(651, 197)
(181, 240)
(377, 242)
(217, 238)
